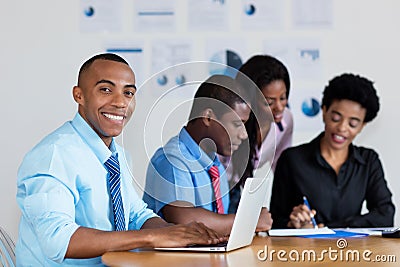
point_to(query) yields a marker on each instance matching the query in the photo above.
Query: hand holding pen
(303, 216)
(312, 215)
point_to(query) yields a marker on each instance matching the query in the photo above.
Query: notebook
(245, 222)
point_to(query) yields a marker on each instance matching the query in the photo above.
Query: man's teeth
(114, 117)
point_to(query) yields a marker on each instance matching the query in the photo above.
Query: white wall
(42, 49)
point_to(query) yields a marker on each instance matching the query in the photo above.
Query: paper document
(300, 232)
(369, 231)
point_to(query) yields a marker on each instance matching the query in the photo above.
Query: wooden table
(275, 251)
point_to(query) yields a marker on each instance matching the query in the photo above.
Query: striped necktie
(112, 165)
(214, 174)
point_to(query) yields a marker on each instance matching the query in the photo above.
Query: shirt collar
(282, 124)
(354, 154)
(316, 148)
(90, 137)
(195, 150)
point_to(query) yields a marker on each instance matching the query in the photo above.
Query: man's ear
(77, 94)
(207, 116)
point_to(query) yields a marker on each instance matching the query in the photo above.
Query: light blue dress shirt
(179, 172)
(62, 184)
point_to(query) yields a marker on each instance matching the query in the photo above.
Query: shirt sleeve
(168, 180)
(284, 194)
(378, 197)
(139, 212)
(48, 206)
(286, 139)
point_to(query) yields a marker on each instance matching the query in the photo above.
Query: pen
(312, 215)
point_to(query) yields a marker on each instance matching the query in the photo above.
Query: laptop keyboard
(222, 244)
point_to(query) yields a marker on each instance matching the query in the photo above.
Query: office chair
(7, 250)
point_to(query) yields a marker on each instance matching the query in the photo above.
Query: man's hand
(185, 234)
(264, 221)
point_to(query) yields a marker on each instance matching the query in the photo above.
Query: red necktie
(214, 174)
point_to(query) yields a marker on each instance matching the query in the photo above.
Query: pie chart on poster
(250, 9)
(310, 107)
(228, 58)
(162, 80)
(89, 11)
(180, 79)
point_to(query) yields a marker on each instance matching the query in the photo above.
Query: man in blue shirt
(63, 192)
(179, 185)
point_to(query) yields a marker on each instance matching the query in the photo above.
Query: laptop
(244, 225)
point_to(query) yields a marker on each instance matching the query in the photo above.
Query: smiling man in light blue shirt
(67, 212)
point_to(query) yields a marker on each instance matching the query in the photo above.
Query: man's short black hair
(104, 56)
(219, 93)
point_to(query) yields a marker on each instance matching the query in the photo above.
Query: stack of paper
(301, 232)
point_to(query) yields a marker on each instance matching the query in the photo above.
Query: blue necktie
(112, 166)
